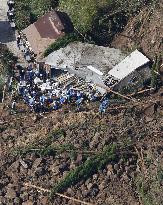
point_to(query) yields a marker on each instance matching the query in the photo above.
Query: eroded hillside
(143, 31)
(112, 160)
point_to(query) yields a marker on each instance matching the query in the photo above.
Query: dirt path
(7, 35)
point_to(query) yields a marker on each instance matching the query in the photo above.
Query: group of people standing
(24, 46)
(54, 96)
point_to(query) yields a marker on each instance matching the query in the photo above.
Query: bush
(7, 62)
(28, 11)
(62, 42)
(2, 83)
(81, 12)
(100, 20)
(85, 170)
(154, 71)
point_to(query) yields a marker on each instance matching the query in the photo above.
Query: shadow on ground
(6, 33)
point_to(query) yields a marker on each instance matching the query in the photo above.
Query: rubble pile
(44, 152)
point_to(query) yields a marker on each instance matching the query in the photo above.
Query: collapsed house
(87, 61)
(102, 66)
(133, 69)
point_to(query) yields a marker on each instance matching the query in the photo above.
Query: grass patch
(84, 171)
(143, 190)
(56, 134)
(62, 42)
(43, 147)
(28, 11)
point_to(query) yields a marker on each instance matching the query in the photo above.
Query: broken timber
(58, 194)
(110, 90)
(141, 91)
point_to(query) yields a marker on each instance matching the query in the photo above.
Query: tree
(28, 11)
(81, 12)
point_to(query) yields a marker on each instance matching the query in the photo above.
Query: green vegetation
(43, 147)
(100, 20)
(62, 42)
(84, 171)
(57, 133)
(82, 12)
(94, 20)
(143, 191)
(7, 61)
(155, 72)
(160, 175)
(2, 83)
(149, 183)
(46, 146)
(28, 11)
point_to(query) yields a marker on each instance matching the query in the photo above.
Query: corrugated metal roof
(135, 60)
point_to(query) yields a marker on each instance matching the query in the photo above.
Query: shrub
(62, 42)
(7, 61)
(154, 71)
(2, 83)
(28, 11)
(84, 171)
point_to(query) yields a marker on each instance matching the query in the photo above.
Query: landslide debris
(112, 160)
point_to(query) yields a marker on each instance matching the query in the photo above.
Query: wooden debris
(76, 151)
(58, 194)
(141, 158)
(110, 90)
(141, 91)
(23, 163)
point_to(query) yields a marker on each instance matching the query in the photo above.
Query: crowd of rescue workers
(43, 94)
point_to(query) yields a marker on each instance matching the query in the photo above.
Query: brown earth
(139, 128)
(143, 31)
(134, 177)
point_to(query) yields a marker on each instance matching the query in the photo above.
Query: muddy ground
(135, 176)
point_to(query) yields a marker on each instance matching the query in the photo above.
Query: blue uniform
(55, 105)
(62, 100)
(78, 103)
(42, 99)
(103, 106)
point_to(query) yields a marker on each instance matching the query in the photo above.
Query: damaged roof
(81, 55)
(44, 31)
(132, 62)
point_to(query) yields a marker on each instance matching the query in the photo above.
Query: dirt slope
(143, 31)
(135, 176)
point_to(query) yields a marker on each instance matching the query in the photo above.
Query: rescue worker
(55, 105)
(10, 4)
(78, 103)
(13, 106)
(62, 99)
(42, 99)
(10, 14)
(103, 106)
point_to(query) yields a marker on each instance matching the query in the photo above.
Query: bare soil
(143, 31)
(139, 128)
